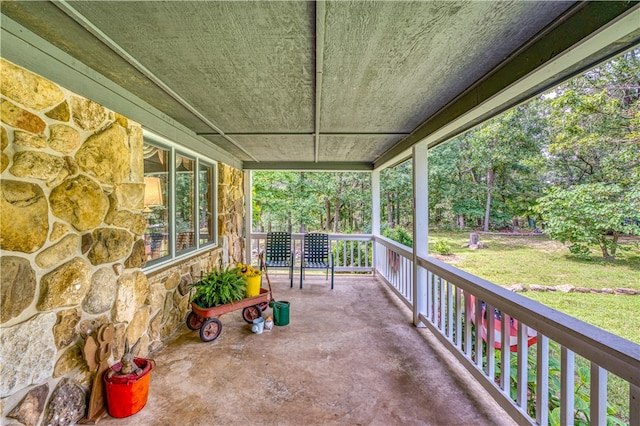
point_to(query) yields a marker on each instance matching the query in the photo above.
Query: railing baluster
(491, 336)
(441, 287)
(478, 342)
(449, 310)
(351, 244)
(634, 404)
(429, 312)
(521, 395)
(467, 325)
(598, 395)
(459, 312)
(542, 381)
(505, 354)
(434, 299)
(567, 385)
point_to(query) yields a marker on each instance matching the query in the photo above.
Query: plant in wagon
(219, 287)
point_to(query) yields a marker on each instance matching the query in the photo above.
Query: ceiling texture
(330, 84)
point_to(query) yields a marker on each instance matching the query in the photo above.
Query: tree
(595, 120)
(591, 214)
(311, 201)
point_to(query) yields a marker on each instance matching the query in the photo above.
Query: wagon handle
(264, 267)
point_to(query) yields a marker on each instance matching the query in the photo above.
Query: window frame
(174, 149)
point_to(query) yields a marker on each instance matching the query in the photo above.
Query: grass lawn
(538, 260)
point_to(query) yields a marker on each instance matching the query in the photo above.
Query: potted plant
(127, 383)
(253, 277)
(219, 287)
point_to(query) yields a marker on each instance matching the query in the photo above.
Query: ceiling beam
(307, 134)
(316, 166)
(585, 35)
(320, 25)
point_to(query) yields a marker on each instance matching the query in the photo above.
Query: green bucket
(280, 312)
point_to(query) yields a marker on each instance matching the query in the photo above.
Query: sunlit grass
(538, 260)
(617, 314)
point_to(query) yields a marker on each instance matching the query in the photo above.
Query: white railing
(456, 301)
(394, 262)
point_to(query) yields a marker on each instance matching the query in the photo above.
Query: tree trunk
(473, 238)
(327, 206)
(487, 211)
(516, 225)
(389, 212)
(460, 221)
(336, 216)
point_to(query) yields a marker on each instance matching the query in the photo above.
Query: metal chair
(316, 254)
(278, 254)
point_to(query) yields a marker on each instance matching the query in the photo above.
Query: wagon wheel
(210, 329)
(264, 306)
(251, 312)
(194, 322)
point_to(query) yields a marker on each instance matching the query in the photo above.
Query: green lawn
(538, 260)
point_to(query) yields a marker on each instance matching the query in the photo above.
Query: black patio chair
(278, 254)
(316, 254)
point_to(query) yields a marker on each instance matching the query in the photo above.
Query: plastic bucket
(253, 286)
(281, 312)
(127, 394)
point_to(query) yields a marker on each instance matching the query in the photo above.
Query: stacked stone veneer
(71, 227)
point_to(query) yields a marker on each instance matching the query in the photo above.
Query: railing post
(420, 229)
(375, 216)
(248, 214)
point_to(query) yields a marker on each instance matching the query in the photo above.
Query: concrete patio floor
(349, 356)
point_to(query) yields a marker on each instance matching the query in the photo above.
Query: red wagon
(206, 319)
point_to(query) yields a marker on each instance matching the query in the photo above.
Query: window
(156, 201)
(180, 219)
(185, 203)
(206, 203)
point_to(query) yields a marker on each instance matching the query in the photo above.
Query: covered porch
(348, 356)
(285, 86)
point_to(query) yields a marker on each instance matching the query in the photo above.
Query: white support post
(375, 216)
(420, 229)
(248, 213)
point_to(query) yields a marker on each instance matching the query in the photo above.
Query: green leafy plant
(219, 287)
(441, 247)
(582, 396)
(399, 235)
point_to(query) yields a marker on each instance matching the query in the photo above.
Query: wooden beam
(347, 166)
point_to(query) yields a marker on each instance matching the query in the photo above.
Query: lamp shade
(152, 192)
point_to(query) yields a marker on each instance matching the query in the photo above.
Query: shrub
(441, 247)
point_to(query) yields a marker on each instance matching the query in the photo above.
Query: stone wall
(71, 226)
